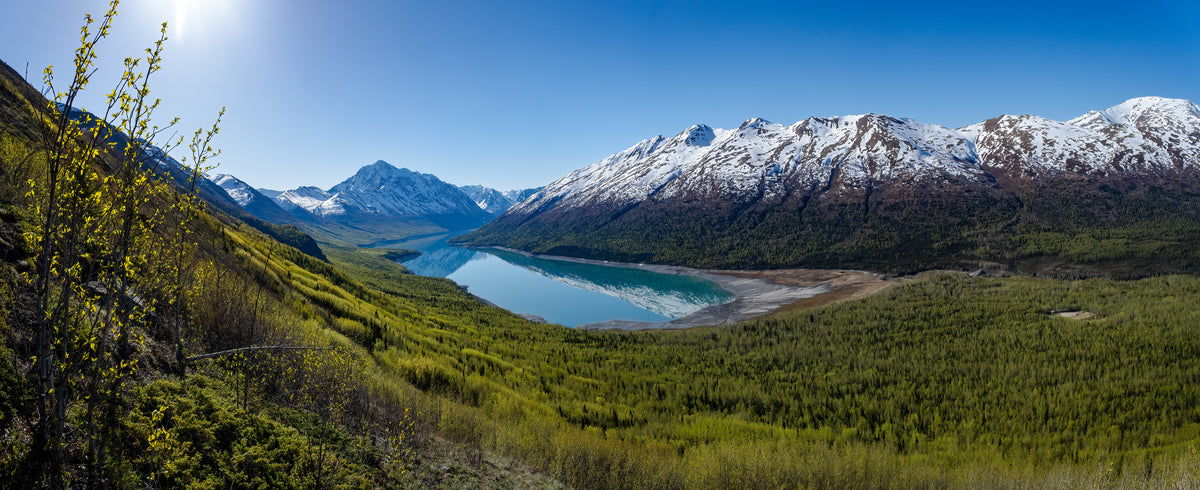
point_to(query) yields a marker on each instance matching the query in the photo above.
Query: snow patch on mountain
(309, 198)
(238, 190)
(380, 189)
(1157, 112)
(493, 201)
(763, 160)
(158, 157)
(488, 199)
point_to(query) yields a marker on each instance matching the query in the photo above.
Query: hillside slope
(242, 378)
(944, 381)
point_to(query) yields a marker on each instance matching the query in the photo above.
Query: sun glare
(181, 17)
(199, 15)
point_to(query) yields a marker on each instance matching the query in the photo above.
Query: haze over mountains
(867, 189)
(380, 202)
(496, 202)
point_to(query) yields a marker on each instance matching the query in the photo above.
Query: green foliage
(99, 220)
(125, 265)
(287, 235)
(192, 435)
(944, 381)
(947, 379)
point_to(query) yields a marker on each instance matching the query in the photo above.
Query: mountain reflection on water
(441, 262)
(564, 292)
(672, 296)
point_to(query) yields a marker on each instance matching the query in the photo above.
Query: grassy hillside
(217, 357)
(946, 380)
(141, 346)
(949, 379)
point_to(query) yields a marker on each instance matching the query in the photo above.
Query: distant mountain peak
(382, 189)
(496, 202)
(754, 122)
(238, 190)
(378, 171)
(699, 135)
(1151, 110)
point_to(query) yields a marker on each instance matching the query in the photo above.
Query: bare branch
(252, 348)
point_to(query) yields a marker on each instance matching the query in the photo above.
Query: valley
(861, 301)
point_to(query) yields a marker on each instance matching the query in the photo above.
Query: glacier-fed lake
(560, 291)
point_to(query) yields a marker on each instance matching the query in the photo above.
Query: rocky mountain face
(253, 201)
(378, 203)
(496, 202)
(382, 189)
(872, 191)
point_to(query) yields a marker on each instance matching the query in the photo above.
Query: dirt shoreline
(756, 292)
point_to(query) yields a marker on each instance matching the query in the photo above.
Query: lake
(560, 291)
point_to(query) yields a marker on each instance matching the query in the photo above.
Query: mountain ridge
(379, 202)
(496, 202)
(849, 181)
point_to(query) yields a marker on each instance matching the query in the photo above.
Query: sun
(199, 15)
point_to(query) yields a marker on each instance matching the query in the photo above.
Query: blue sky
(518, 93)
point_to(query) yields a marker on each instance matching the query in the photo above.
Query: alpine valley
(1113, 192)
(160, 329)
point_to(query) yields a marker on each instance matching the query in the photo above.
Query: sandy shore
(756, 293)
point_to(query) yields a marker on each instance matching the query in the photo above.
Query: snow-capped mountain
(772, 180)
(518, 195)
(312, 200)
(762, 160)
(1143, 135)
(382, 188)
(253, 201)
(241, 192)
(496, 202)
(381, 202)
(488, 199)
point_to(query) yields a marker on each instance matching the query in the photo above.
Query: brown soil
(446, 464)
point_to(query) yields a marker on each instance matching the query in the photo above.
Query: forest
(149, 340)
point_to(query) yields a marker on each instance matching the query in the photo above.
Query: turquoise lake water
(563, 292)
